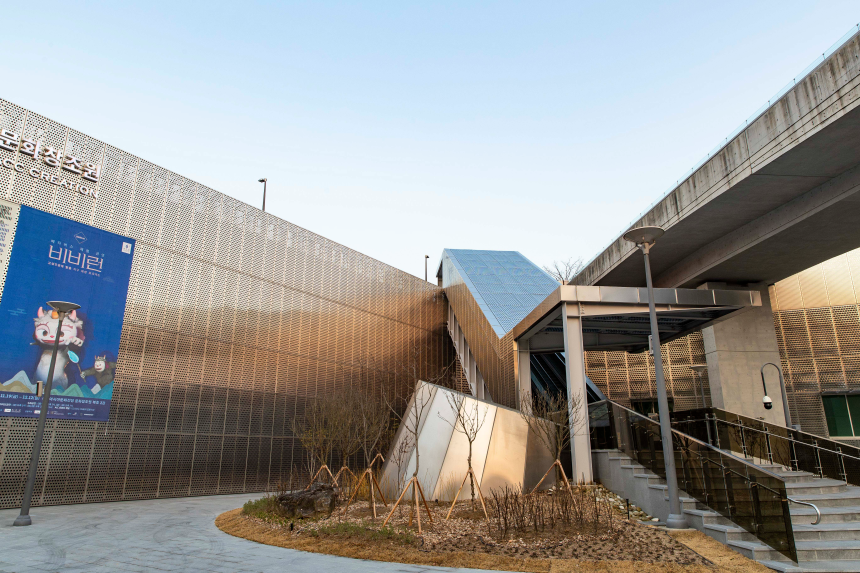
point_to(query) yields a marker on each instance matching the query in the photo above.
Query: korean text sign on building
(52, 258)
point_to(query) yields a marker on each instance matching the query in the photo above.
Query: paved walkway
(157, 535)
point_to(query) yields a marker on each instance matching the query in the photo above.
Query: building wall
(624, 377)
(818, 328)
(234, 319)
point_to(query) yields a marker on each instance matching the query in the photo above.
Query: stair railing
(752, 497)
(812, 505)
(787, 447)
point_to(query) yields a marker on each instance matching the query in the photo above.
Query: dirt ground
(466, 541)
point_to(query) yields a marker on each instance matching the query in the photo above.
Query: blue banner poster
(51, 258)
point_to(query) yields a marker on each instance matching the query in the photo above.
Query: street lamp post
(425, 267)
(62, 309)
(644, 238)
(263, 181)
(699, 369)
(768, 403)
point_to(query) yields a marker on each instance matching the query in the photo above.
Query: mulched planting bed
(602, 537)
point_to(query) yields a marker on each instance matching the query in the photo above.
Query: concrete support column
(735, 350)
(523, 368)
(580, 445)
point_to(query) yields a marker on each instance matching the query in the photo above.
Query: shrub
(516, 511)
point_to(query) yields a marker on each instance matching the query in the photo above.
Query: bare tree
(349, 437)
(412, 368)
(552, 418)
(317, 431)
(468, 421)
(372, 423)
(399, 456)
(564, 271)
(370, 417)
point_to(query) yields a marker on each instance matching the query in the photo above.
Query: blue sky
(402, 128)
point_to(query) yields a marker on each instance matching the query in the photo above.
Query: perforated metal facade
(625, 377)
(234, 319)
(818, 327)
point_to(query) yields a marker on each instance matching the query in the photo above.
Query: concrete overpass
(779, 197)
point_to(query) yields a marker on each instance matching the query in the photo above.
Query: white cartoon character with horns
(71, 333)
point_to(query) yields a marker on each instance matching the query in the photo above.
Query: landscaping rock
(319, 499)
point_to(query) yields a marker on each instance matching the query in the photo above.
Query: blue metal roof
(506, 285)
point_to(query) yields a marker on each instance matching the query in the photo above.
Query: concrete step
(635, 467)
(827, 531)
(797, 477)
(807, 551)
(846, 565)
(707, 517)
(849, 497)
(806, 515)
(686, 502)
(844, 531)
(815, 486)
(725, 533)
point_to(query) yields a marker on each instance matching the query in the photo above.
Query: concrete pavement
(175, 535)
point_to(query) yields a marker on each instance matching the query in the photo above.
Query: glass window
(838, 418)
(854, 410)
(649, 406)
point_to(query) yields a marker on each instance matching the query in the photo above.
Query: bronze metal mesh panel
(819, 344)
(622, 376)
(234, 319)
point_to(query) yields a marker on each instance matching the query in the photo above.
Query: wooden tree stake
(340, 471)
(563, 476)
(417, 489)
(371, 481)
(324, 467)
(480, 495)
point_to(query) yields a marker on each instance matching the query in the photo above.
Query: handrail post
(842, 473)
(706, 480)
(818, 467)
(730, 495)
(743, 438)
(708, 429)
(653, 458)
(716, 431)
(767, 444)
(753, 486)
(685, 471)
(795, 463)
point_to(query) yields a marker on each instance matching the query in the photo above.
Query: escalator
(548, 377)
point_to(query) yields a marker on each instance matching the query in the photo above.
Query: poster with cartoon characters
(52, 258)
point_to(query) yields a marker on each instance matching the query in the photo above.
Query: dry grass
(717, 553)
(401, 549)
